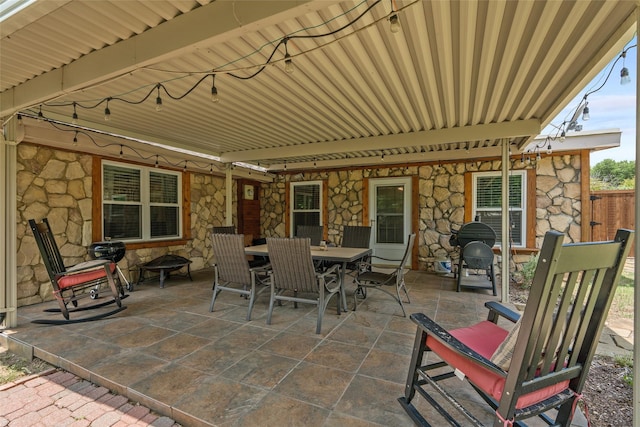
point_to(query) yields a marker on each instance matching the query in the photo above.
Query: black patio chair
(371, 277)
(225, 229)
(314, 232)
(72, 284)
(543, 362)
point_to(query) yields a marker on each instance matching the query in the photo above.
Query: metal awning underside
(452, 83)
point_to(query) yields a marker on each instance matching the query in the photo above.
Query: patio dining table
(343, 255)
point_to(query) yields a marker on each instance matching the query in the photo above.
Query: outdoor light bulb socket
(585, 113)
(624, 76)
(288, 64)
(549, 150)
(158, 104)
(74, 118)
(394, 23)
(214, 94)
(107, 114)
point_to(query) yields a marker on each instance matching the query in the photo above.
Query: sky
(612, 107)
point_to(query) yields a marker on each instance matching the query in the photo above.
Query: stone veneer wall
(441, 201)
(57, 185)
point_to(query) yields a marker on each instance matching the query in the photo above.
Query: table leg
(343, 273)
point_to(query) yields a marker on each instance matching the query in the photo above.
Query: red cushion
(484, 338)
(79, 278)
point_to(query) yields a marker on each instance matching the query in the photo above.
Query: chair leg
(252, 298)
(272, 300)
(216, 291)
(493, 280)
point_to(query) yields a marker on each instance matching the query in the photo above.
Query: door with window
(390, 207)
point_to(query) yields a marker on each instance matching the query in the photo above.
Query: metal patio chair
(75, 283)
(225, 229)
(370, 278)
(543, 362)
(314, 232)
(354, 236)
(232, 271)
(294, 273)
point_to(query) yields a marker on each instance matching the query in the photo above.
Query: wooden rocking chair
(71, 284)
(542, 364)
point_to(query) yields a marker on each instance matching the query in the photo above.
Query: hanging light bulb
(624, 73)
(549, 150)
(288, 62)
(75, 139)
(382, 157)
(74, 117)
(107, 112)
(315, 164)
(394, 23)
(40, 115)
(214, 90)
(585, 112)
(211, 169)
(185, 165)
(156, 161)
(19, 119)
(158, 101)
(563, 136)
(624, 76)
(285, 165)
(121, 153)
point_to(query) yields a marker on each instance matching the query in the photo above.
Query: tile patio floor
(170, 354)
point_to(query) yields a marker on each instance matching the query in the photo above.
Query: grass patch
(626, 362)
(13, 367)
(622, 304)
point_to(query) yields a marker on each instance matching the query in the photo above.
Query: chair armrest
(435, 331)
(497, 310)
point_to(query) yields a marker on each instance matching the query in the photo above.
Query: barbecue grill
(475, 240)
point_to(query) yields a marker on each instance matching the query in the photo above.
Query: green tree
(610, 174)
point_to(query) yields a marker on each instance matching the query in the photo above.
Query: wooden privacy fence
(611, 210)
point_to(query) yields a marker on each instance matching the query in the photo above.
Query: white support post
(228, 195)
(506, 224)
(11, 136)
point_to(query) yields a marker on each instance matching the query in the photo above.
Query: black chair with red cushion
(543, 362)
(72, 284)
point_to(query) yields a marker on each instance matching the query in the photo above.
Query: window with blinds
(306, 208)
(487, 204)
(140, 203)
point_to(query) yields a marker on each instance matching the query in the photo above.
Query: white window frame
(522, 208)
(293, 210)
(145, 203)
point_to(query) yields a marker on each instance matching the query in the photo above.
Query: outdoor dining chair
(294, 277)
(370, 276)
(355, 236)
(314, 232)
(225, 229)
(75, 283)
(543, 362)
(232, 271)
